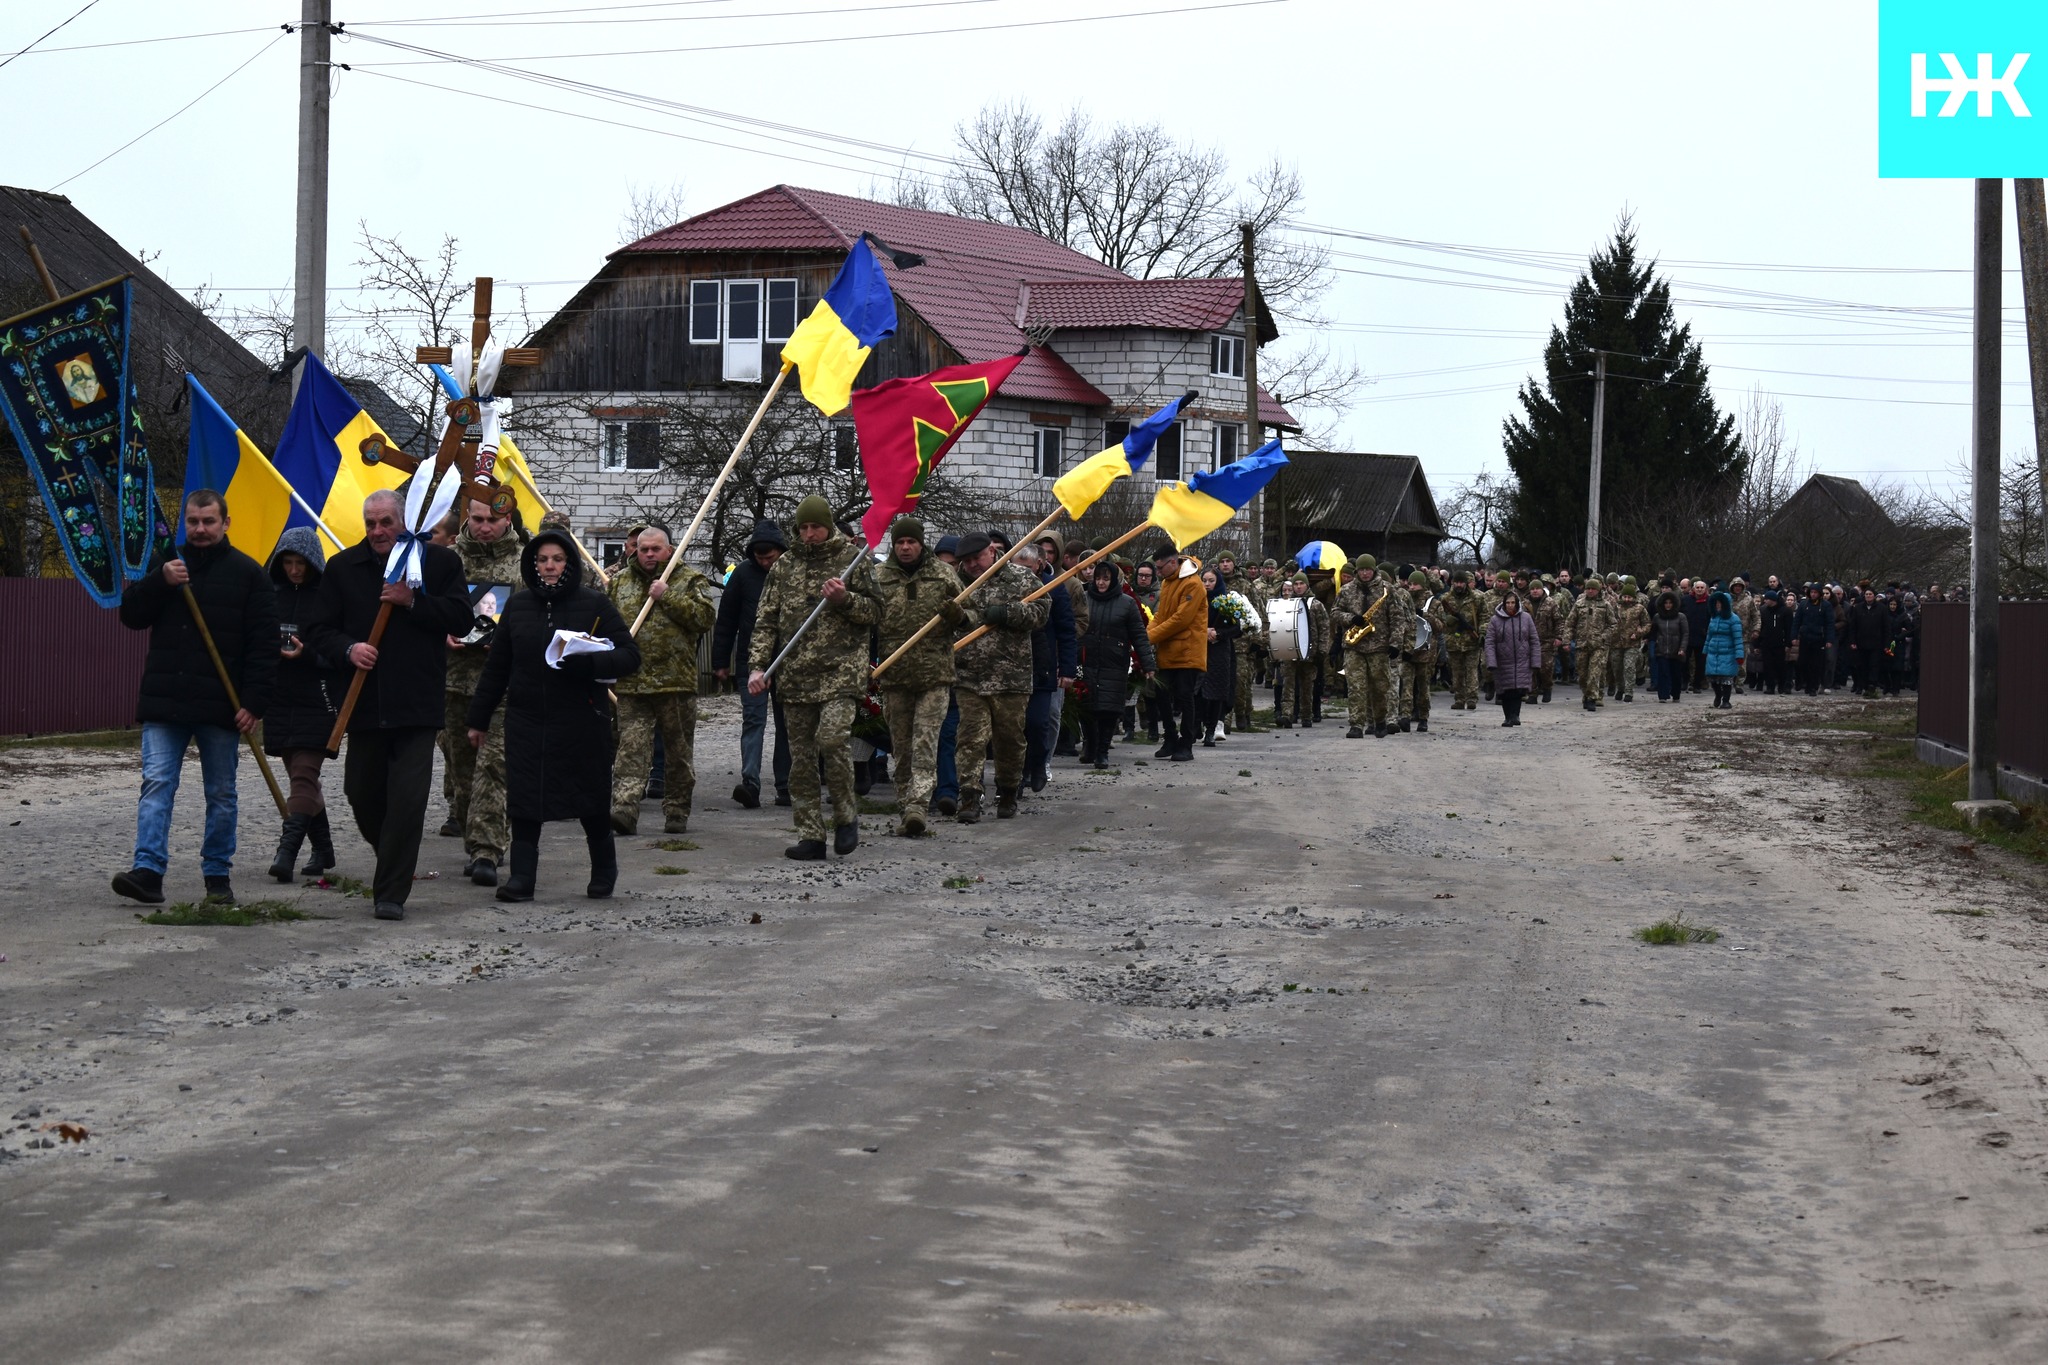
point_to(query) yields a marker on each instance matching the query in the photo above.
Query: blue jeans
(163, 760)
(948, 784)
(754, 713)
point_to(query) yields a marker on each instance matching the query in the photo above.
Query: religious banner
(73, 411)
(906, 426)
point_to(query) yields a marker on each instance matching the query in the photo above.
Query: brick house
(694, 316)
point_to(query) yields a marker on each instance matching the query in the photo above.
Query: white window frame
(611, 447)
(716, 290)
(610, 547)
(1235, 431)
(1224, 349)
(1041, 437)
(1180, 454)
(843, 446)
(768, 310)
(741, 359)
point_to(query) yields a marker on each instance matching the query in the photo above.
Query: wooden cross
(465, 418)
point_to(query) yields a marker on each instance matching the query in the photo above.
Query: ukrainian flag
(1188, 511)
(512, 470)
(322, 457)
(1320, 554)
(220, 456)
(829, 347)
(1079, 487)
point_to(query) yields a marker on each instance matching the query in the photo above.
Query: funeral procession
(1260, 681)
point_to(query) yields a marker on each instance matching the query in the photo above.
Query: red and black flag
(906, 426)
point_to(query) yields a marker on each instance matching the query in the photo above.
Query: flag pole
(816, 612)
(928, 627)
(1090, 562)
(675, 557)
(234, 698)
(548, 507)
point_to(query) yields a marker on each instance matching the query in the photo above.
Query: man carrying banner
(915, 585)
(662, 696)
(390, 767)
(183, 699)
(994, 677)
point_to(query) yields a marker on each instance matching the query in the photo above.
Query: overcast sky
(1741, 135)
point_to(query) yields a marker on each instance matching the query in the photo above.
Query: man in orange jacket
(1180, 637)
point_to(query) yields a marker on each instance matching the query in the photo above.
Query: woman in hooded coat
(302, 705)
(558, 719)
(1670, 642)
(1511, 650)
(1216, 691)
(1723, 648)
(1773, 638)
(1899, 629)
(1116, 627)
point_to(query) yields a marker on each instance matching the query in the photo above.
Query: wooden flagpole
(928, 627)
(675, 557)
(1090, 562)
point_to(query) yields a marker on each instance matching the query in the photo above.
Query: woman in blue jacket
(1723, 649)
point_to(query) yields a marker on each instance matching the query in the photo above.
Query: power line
(82, 9)
(134, 42)
(482, 21)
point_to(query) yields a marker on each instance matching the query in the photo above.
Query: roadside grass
(677, 845)
(1974, 912)
(870, 806)
(1931, 793)
(1676, 930)
(186, 914)
(670, 870)
(87, 739)
(347, 886)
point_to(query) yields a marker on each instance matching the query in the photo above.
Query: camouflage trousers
(819, 731)
(1371, 686)
(1295, 697)
(475, 783)
(1412, 684)
(1242, 702)
(984, 717)
(1593, 666)
(915, 718)
(1465, 677)
(672, 715)
(1546, 670)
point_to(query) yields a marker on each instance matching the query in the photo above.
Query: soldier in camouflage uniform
(993, 677)
(661, 698)
(826, 673)
(1233, 579)
(913, 587)
(476, 776)
(1549, 619)
(1631, 628)
(1417, 662)
(1463, 615)
(1370, 690)
(1296, 698)
(1591, 632)
(1265, 586)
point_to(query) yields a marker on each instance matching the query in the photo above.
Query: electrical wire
(82, 9)
(139, 42)
(357, 26)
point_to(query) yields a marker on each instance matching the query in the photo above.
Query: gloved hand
(996, 613)
(951, 612)
(581, 667)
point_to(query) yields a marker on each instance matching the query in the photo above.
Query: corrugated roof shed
(1363, 491)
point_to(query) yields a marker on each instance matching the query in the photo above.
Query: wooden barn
(1368, 504)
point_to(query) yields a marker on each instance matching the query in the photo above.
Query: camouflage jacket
(668, 640)
(1000, 661)
(1632, 623)
(1356, 601)
(909, 598)
(1318, 627)
(1746, 609)
(1417, 611)
(1549, 615)
(831, 661)
(497, 562)
(1461, 614)
(1593, 623)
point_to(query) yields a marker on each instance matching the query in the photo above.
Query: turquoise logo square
(1962, 89)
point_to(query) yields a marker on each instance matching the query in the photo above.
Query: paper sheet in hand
(572, 642)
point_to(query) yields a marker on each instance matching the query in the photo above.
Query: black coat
(732, 634)
(1219, 679)
(558, 721)
(1116, 626)
(407, 687)
(180, 685)
(1773, 626)
(309, 687)
(1866, 628)
(1697, 612)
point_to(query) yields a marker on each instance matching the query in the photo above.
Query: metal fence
(2022, 667)
(65, 664)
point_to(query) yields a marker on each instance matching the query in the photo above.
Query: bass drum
(1287, 638)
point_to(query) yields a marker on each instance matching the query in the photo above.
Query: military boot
(970, 808)
(846, 838)
(1006, 804)
(912, 824)
(1355, 732)
(806, 851)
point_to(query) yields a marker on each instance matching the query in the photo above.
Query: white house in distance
(697, 312)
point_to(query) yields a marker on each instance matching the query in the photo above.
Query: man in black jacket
(183, 701)
(732, 635)
(390, 766)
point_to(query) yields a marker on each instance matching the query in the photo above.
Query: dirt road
(1311, 1050)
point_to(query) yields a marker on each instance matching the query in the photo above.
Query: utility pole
(1253, 432)
(1984, 435)
(309, 260)
(2032, 206)
(1593, 479)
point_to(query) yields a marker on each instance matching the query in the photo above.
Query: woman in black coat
(1773, 639)
(1899, 630)
(558, 719)
(1116, 627)
(1217, 690)
(308, 692)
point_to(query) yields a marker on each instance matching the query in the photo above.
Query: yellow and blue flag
(219, 455)
(828, 348)
(321, 453)
(1321, 554)
(1188, 511)
(1079, 487)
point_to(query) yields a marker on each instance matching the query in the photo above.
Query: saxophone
(1366, 626)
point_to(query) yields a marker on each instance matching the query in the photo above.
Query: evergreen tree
(1665, 441)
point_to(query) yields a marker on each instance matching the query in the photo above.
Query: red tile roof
(1181, 305)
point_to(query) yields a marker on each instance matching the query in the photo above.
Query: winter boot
(1422, 726)
(970, 808)
(288, 847)
(140, 884)
(219, 891)
(482, 871)
(912, 825)
(1006, 804)
(321, 837)
(676, 824)
(806, 851)
(604, 865)
(523, 865)
(846, 838)
(1355, 732)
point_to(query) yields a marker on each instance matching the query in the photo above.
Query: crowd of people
(921, 665)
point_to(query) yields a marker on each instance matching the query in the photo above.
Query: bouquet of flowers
(1238, 608)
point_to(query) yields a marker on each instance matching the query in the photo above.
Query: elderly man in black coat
(390, 765)
(183, 701)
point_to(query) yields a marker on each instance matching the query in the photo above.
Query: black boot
(604, 864)
(806, 851)
(321, 837)
(1422, 726)
(140, 884)
(523, 865)
(846, 838)
(288, 847)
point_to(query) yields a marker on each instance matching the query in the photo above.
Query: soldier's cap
(1164, 550)
(1418, 579)
(1461, 575)
(1097, 543)
(1550, 580)
(1501, 575)
(1270, 564)
(1226, 554)
(907, 528)
(1300, 578)
(972, 544)
(949, 545)
(814, 511)
(1365, 564)
(1628, 584)
(1523, 574)
(1405, 570)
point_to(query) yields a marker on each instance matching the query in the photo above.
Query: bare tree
(651, 208)
(1472, 515)
(405, 301)
(1316, 385)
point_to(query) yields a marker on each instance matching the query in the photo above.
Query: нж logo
(1958, 86)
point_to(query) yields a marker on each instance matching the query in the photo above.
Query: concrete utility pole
(1984, 434)
(309, 260)
(1593, 478)
(1253, 432)
(2032, 206)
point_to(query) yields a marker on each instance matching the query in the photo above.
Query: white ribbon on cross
(407, 557)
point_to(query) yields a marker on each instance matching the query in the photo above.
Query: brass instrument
(1366, 625)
